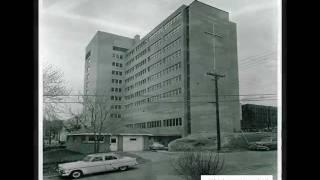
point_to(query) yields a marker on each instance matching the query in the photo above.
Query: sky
(67, 26)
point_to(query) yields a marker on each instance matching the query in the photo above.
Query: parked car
(95, 163)
(157, 146)
(265, 144)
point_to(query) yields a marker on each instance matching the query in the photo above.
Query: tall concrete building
(159, 82)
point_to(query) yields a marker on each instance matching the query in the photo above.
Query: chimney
(137, 38)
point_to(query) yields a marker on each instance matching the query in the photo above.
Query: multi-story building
(257, 117)
(159, 82)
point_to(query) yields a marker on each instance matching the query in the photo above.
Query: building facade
(159, 82)
(258, 117)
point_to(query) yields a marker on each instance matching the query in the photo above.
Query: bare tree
(95, 117)
(54, 90)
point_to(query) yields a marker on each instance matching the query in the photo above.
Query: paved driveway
(247, 162)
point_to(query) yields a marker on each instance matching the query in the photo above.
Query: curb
(50, 176)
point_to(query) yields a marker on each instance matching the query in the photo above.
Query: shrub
(191, 165)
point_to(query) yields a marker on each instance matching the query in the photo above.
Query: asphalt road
(247, 162)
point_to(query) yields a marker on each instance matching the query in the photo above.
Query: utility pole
(216, 78)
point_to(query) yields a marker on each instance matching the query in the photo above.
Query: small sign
(236, 177)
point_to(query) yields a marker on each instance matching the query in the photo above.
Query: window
(99, 158)
(92, 138)
(133, 139)
(110, 158)
(113, 140)
(119, 49)
(113, 63)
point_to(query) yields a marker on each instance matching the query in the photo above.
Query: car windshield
(87, 158)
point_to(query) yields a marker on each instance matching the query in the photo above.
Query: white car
(95, 163)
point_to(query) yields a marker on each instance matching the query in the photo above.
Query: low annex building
(132, 140)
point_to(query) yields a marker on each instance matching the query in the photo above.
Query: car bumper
(63, 172)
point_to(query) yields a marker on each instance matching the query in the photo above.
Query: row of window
(173, 44)
(87, 139)
(129, 71)
(172, 122)
(136, 67)
(116, 64)
(155, 34)
(153, 124)
(156, 54)
(155, 44)
(136, 94)
(130, 61)
(165, 60)
(140, 73)
(131, 78)
(140, 102)
(168, 47)
(166, 26)
(172, 21)
(116, 81)
(118, 56)
(141, 45)
(117, 73)
(165, 71)
(115, 115)
(116, 98)
(172, 33)
(115, 89)
(171, 93)
(121, 49)
(140, 83)
(141, 54)
(154, 87)
(137, 84)
(165, 83)
(115, 106)
(140, 64)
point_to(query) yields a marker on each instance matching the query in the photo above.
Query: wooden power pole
(216, 78)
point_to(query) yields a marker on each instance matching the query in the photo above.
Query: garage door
(132, 143)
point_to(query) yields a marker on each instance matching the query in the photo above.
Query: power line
(180, 96)
(255, 99)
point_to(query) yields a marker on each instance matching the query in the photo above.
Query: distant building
(159, 82)
(257, 117)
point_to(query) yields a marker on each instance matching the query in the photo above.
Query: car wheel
(123, 168)
(76, 174)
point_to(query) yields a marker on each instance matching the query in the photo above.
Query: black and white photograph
(160, 89)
